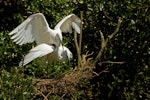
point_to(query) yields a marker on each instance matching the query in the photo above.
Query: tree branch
(110, 62)
(80, 40)
(77, 48)
(103, 45)
(104, 42)
(117, 28)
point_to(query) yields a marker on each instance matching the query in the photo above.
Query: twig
(45, 98)
(89, 54)
(63, 95)
(111, 62)
(97, 74)
(48, 94)
(80, 40)
(77, 48)
(117, 28)
(104, 42)
(103, 45)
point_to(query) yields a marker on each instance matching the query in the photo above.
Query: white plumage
(60, 53)
(35, 28)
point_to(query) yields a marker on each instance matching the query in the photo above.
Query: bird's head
(68, 54)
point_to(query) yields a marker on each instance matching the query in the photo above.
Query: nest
(67, 83)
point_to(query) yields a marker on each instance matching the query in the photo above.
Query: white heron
(36, 28)
(60, 53)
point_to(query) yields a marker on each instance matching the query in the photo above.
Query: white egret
(60, 53)
(36, 28)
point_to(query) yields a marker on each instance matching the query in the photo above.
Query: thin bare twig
(45, 98)
(103, 45)
(103, 71)
(80, 40)
(116, 30)
(48, 94)
(111, 62)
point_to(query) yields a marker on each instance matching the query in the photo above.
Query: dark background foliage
(131, 45)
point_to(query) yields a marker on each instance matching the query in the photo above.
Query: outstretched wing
(69, 22)
(34, 28)
(38, 51)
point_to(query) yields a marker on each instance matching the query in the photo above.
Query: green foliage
(15, 85)
(131, 45)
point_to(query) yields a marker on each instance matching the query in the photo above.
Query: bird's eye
(53, 45)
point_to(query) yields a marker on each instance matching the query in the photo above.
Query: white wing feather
(35, 27)
(38, 51)
(65, 25)
(76, 27)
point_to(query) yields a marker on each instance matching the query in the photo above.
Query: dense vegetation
(131, 45)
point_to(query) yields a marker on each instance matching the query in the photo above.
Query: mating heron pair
(49, 41)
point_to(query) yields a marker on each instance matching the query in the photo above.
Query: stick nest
(66, 84)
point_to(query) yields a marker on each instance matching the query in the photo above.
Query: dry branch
(104, 42)
(111, 62)
(103, 45)
(77, 48)
(80, 39)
